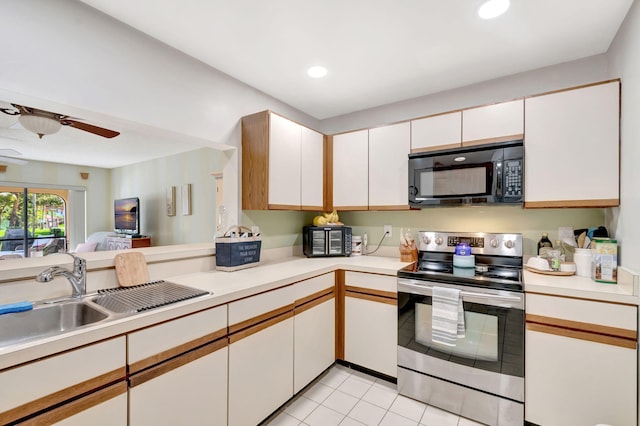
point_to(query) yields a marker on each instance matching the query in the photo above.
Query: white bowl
(568, 267)
(538, 263)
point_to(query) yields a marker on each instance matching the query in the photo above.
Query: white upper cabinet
(282, 164)
(389, 148)
(493, 123)
(436, 132)
(312, 169)
(284, 161)
(572, 147)
(351, 171)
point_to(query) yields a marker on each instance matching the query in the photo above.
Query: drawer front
(314, 285)
(585, 311)
(386, 283)
(44, 383)
(243, 310)
(165, 338)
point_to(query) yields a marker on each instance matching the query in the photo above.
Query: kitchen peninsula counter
(224, 286)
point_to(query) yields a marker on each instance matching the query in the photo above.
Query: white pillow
(86, 247)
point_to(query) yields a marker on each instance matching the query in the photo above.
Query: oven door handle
(503, 300)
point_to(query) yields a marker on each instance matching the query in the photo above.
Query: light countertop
(224, 286)
(625, 291)
(229, 286)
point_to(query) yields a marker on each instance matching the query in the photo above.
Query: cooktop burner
(497, 259)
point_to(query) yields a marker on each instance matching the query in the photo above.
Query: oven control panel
(479, 242)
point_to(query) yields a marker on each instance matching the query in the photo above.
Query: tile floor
(342, 396)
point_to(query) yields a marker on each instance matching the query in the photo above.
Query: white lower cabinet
(580, 362)
(314, 330)
(68, 387)
(111, 412)
(260, 373)
(578, 382)
(371, 322)
(192, 391)
(178, 371)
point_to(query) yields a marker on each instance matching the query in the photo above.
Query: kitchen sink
(47, 320)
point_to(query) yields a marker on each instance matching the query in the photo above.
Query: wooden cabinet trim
(351, 208)
(175, 351)
(259, 327)
(283, 207)
(74, 407)
(63, 395)
(316, 295)
(311, 208)
(234, 328)
(435, 148)
(372, 298)
(255, 159)
(340, 320)
(312, 304)
(582, 335)
(371, 292)
(610, 202)
(493, 140)
(174, 363)
(327, 177)
(622, 333)
(390, 208)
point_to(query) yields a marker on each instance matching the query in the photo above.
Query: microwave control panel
(513, 177)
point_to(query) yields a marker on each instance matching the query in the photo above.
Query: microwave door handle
(499, 188)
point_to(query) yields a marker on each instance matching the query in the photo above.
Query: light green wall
(529, 222)
(148, 181)
(284, 229)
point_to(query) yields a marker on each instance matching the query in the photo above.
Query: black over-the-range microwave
(481, 174)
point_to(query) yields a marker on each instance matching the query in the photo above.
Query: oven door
(489, 358)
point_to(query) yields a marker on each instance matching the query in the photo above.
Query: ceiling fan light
(39, 125)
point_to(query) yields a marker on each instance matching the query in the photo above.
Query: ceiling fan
(43, 122)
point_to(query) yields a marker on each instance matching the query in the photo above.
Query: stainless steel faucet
(77, 277)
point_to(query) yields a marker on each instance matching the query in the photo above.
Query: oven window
(481, 334)
(494, 336)
(458, 181)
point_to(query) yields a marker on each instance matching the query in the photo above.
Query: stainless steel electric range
(481, 377)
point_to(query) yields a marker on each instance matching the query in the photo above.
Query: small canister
(356, 245)
(463, 249)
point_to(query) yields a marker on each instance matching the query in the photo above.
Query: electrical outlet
(387, 229)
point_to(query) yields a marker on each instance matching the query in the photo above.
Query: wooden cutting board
(131, 268)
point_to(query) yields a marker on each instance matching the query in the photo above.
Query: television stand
(128, 242)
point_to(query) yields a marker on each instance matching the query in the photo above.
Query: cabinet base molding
(368, 371)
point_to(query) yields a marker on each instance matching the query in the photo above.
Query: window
(32, 221)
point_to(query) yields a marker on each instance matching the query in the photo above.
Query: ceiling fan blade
(100, 131)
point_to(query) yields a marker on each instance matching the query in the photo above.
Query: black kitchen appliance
(482, 174)
(481, 377)
(326, 241)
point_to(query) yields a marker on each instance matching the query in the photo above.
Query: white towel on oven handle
(447, 316)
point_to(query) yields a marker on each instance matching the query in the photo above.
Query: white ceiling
(377, 52)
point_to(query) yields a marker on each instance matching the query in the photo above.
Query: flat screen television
(127, 215)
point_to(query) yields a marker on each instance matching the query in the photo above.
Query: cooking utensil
(581, 239)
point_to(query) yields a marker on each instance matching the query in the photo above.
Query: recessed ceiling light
(459, 159)
(493, 8)
(317, 71)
